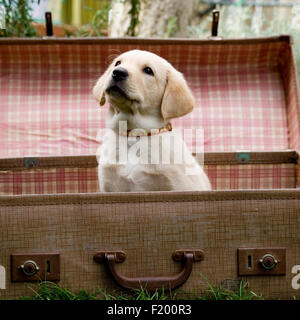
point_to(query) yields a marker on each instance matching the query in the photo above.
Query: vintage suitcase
(55, 223)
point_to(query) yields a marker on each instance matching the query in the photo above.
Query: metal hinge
(31, 162)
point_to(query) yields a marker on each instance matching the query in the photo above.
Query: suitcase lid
(246, 91)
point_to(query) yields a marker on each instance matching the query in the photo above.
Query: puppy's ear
(178, 99)
(98, 90)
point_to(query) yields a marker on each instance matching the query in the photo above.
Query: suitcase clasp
(31, 162)
(243, 157)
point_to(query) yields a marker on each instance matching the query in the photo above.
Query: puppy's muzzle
(117, 85)
(119, 74)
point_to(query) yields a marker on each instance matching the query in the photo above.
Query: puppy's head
(140, 81)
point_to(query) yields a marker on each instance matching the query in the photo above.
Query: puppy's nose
(120, 74)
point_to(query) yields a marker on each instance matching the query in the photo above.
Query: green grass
(220, 293)
(47, 290)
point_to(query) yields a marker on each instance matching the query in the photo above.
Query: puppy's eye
(148, 70)
(117, 63)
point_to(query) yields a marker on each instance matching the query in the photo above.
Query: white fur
(150, 103)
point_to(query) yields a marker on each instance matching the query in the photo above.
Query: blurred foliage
(97, 25)
(239, 21)
(18, 18)
(172, 26)
(76, 13)
(134, 13)
(236, 21)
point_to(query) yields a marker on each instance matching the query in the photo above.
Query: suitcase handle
(151, 283)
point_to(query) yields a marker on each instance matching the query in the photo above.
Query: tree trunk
(156, 18)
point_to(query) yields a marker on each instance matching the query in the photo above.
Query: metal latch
(35, 267)
(268, 262)
(31, 162)
(29, 268)
(243, 157)
(261, 261)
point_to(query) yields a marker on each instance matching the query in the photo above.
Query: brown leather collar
(143, 133)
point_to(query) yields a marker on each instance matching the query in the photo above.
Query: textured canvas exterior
(149, 227)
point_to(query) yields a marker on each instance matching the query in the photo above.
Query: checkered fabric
(246, 98)
(49, 181)
(85, 180)
(255, 176)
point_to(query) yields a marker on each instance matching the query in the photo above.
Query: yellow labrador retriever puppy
(140, 151)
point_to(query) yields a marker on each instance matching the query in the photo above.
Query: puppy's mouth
(117, 92)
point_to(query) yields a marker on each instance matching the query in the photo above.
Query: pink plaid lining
(49, 181)
(258, 176)
(85, 180)
(241, 101)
